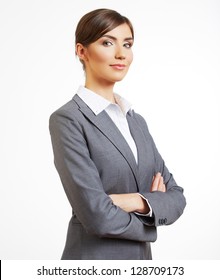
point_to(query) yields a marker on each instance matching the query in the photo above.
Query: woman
(116, 181)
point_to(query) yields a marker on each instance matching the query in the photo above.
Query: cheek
(100, 56)
(130, 58)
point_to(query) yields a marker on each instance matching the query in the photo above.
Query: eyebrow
(115, 39)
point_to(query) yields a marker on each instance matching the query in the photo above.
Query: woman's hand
(133, 202)
(158, 184)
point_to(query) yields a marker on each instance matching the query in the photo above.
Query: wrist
(142, 204)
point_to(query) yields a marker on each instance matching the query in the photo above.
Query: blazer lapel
(105, 124)
(144, 154)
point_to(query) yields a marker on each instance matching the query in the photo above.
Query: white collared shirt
(117, 112)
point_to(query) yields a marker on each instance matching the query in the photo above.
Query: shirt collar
(98, 103)
(123, 104)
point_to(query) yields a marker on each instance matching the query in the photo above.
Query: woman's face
(107, 60)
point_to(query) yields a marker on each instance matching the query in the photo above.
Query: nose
(120, 53)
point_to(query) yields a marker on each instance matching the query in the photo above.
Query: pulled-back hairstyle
(95, 24)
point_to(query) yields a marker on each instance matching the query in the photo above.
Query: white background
(173, 83)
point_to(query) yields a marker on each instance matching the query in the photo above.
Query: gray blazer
(94, 160)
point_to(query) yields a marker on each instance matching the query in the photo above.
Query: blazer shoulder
(69, 110)
(140, 120)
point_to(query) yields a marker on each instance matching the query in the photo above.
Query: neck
(105, 91)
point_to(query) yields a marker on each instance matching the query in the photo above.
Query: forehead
(122, 31)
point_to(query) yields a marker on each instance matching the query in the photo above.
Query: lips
(118, 66)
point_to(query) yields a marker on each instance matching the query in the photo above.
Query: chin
(118, 78)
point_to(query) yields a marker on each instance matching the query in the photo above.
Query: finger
(161, 186)
(155, 183)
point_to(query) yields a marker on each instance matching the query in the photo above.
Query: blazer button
(162, 221)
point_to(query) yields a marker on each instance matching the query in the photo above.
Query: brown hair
(96, 23)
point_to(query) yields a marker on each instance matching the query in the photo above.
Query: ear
(81, 51)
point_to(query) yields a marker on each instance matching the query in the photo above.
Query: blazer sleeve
(167, 206)
(83, 186)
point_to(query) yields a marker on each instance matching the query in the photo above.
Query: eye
(107, 43)
(128, 45)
